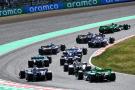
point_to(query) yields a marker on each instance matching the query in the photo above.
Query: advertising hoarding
(41, 8)
(10, 12)
(81, 3)
(113, 1)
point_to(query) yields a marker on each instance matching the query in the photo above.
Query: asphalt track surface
(17, 31)
(12, 63)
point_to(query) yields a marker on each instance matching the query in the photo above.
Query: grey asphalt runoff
(12, 63)
(17, 31)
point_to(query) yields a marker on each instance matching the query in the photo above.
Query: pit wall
(58, 6)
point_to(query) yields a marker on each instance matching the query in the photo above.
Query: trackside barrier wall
(81, 3)
(88, 3)
(104, 2)
(10, 12)
(57, 6)
(41, 8)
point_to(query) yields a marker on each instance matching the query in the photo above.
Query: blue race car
(40, 61)
(35, 74)
(51, 49)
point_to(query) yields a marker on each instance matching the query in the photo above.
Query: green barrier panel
(81, 3)
(6, 87)
(10, 12)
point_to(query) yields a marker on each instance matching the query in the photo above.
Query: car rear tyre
(50, 59)
(71, 71)
(112, 77)
(46, 63)
(65, 67)
(63, 47)
(22, 74)
(84, 51)
(49, 75)
(80, 75)
(30, 64)
(111, 40)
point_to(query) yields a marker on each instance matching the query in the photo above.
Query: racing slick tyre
(126, 26)
(70, 70)
(30, 64)
(63, 47)
(40, 51)
(62, 61)
(112, 77)
(46, 63)
(84, 51)
(78, 40)
(49, 75)
(50, 59)
(111, 40)
(65, 67)
(80, 75)
(22, 74)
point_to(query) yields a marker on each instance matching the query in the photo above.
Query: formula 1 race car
(51, 49)
(83, 39)
(70, 58)
(76, 66)
(100, 41)
(40, 61)
(74, 53)
(97, 75)
(35, 74)
(113, 28)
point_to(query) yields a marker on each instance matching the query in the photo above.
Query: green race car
(96, 75)
(113, 28)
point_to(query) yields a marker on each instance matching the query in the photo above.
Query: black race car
(72, 54)
(70, 58)
(100, 41)
(40, 61)
(51, 49)
(76, 66)
(35, 74)
(83, 39)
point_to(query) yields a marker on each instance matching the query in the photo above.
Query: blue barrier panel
(41, 8)
(113, 1)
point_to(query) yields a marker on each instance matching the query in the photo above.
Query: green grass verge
(120, 57)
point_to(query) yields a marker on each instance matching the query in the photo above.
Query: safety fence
(23, 7)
